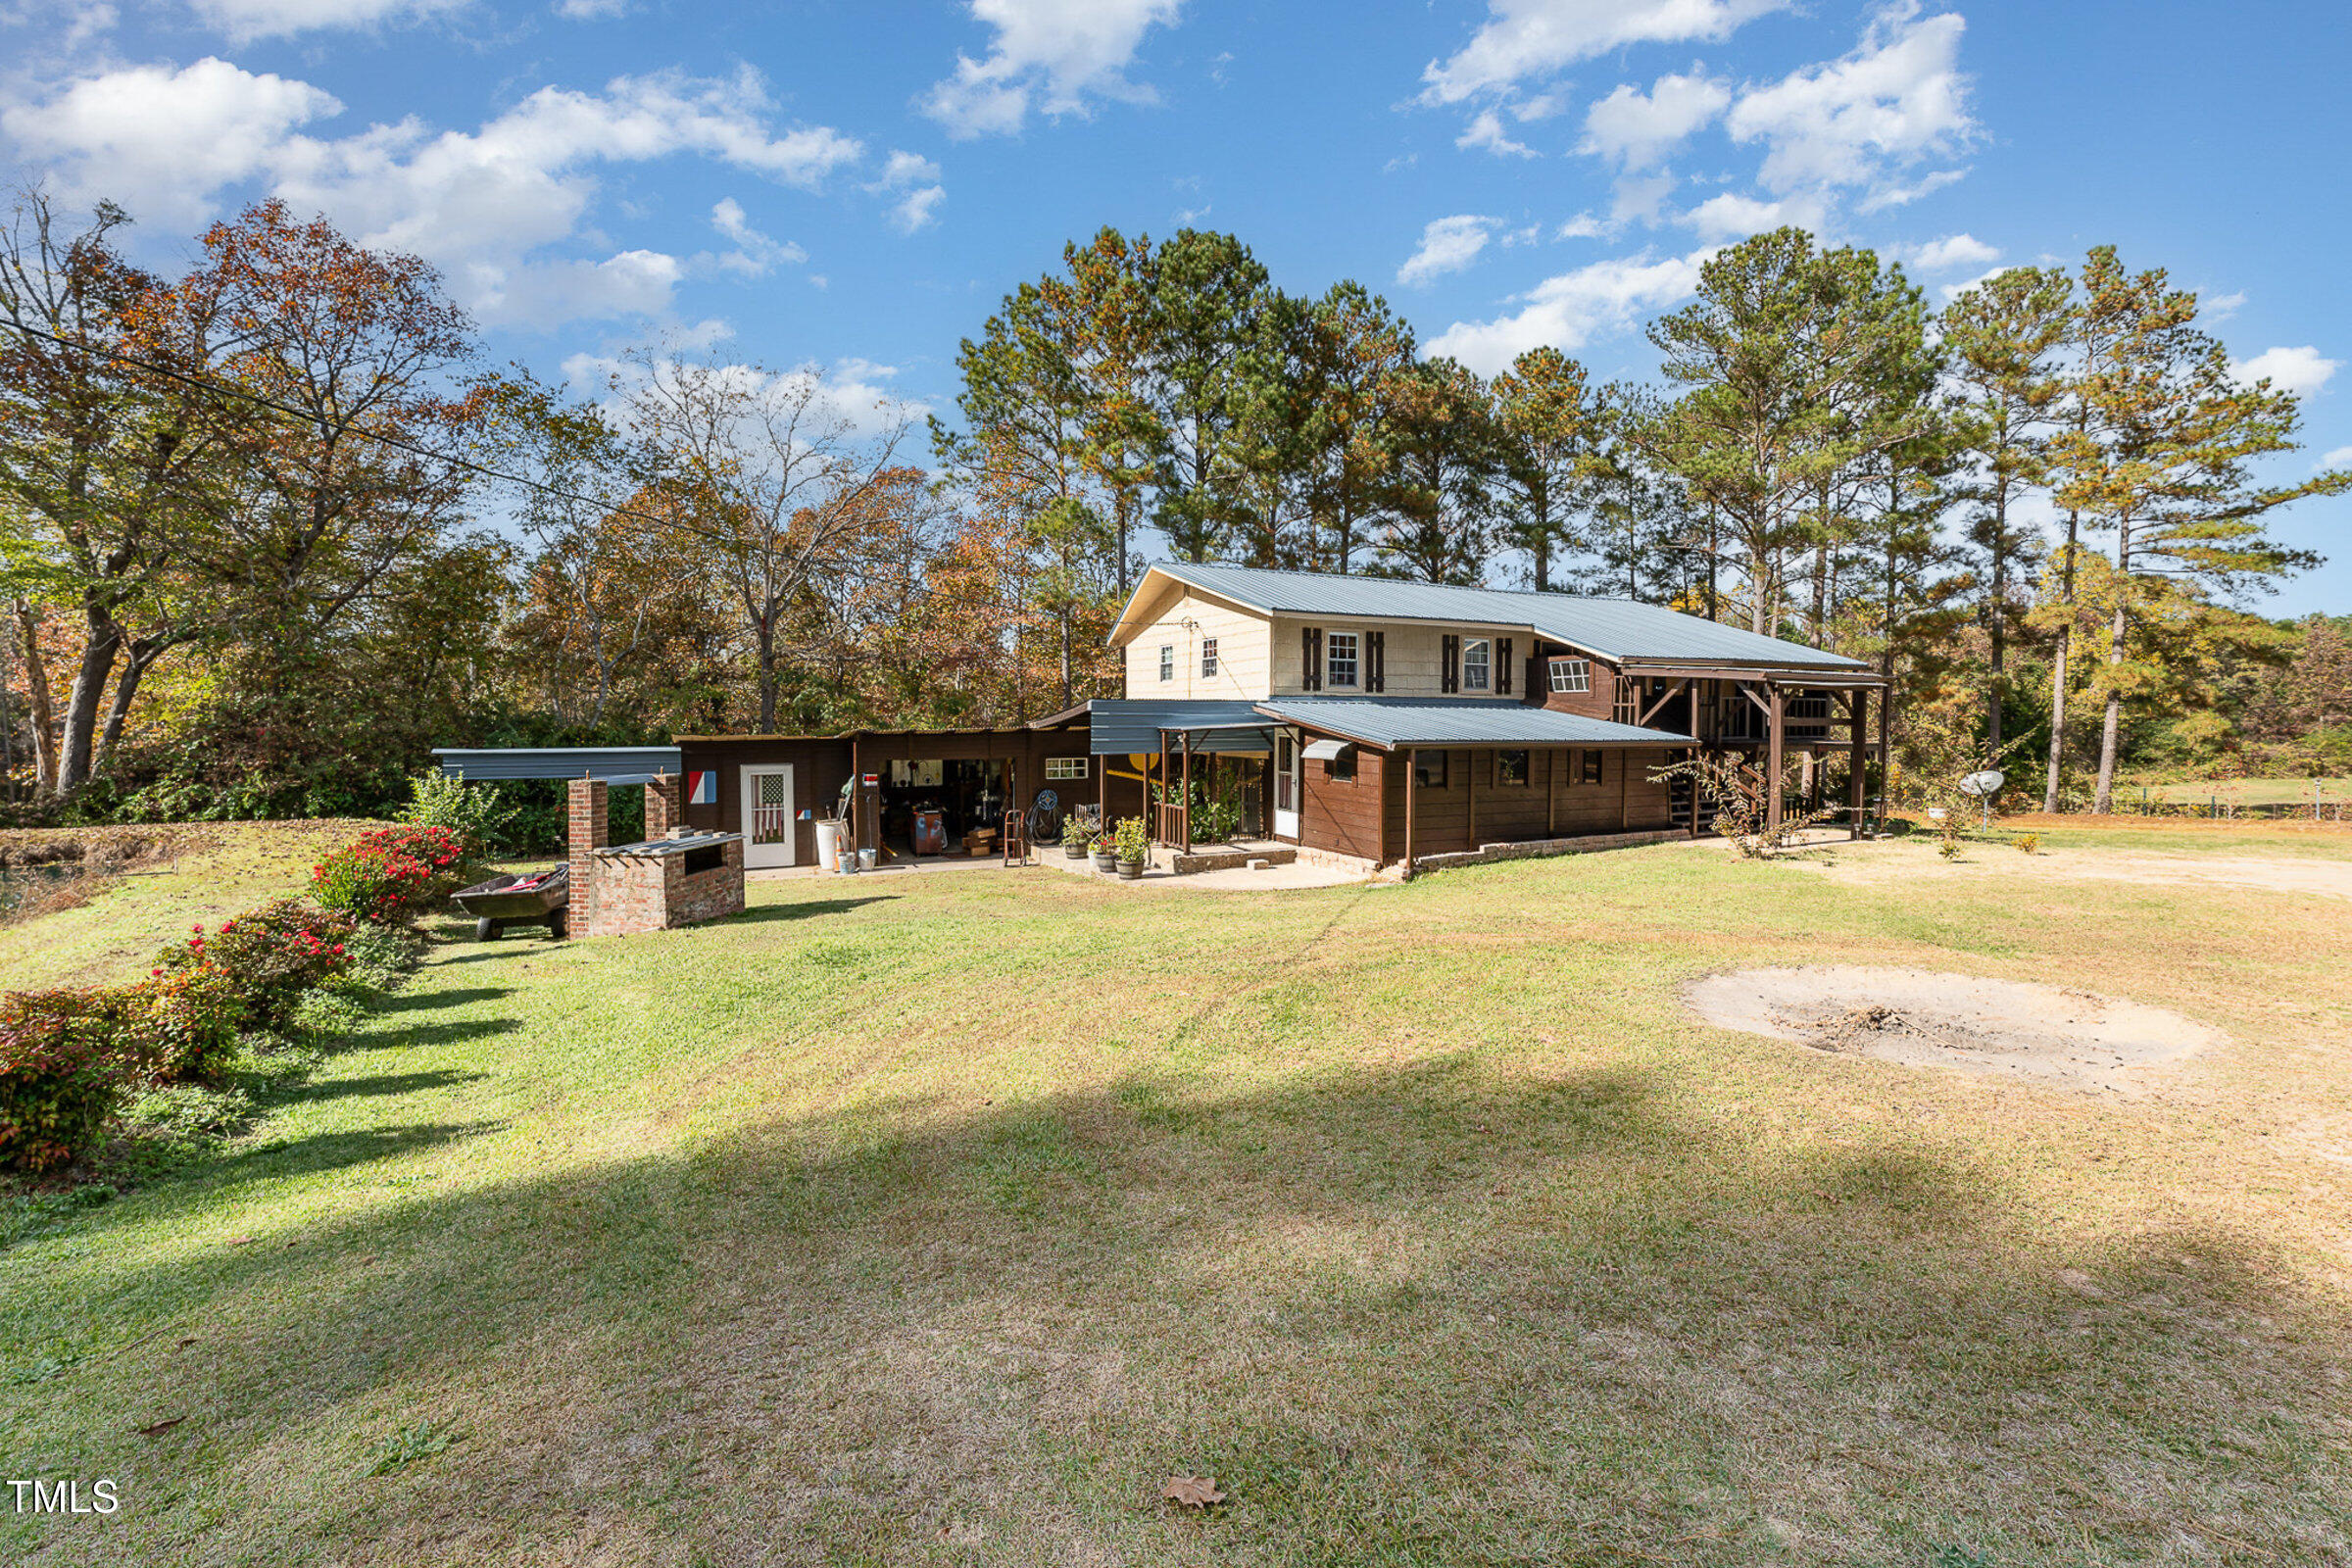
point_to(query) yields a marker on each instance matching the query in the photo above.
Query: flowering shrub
(182, 1023)
(392, 873)
(268, 957)
(62, 1072)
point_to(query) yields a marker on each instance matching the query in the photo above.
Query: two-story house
(1393, 720)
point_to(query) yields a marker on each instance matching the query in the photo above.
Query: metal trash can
(828, 842)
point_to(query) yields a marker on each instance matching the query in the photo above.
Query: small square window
(1429, 771)
(1572, 674)
(1510, 767)
(1209, 655)
(1341, 769)
(1477, 661)
(1065, 768)
(1340, 659)
(1167, 661)
(1588, 768)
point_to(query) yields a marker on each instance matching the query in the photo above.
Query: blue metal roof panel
(1615, 628)
(1394, 721)
(612, 764)
(1120, 725)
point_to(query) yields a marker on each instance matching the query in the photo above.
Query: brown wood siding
(1595, 703)
(1552, 804)
(819, 764)
(1343, 815)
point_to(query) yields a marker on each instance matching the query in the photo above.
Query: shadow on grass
(1418, 1315)
(325, 1152)
(401, 1002)
(390, 1082)
(806, 909)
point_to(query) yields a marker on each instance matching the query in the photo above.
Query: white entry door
(1288, 785)
(770, 831)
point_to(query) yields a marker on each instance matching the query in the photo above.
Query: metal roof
(1388, 723)
(615, 764)
(1617, 629)
(1122, 725)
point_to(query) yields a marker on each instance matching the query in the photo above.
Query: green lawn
(942, 1218)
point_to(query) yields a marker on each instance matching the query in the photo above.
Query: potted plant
(1076, 836)
(1132, 842)
(1105, 858)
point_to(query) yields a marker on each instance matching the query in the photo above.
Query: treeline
(272, 530)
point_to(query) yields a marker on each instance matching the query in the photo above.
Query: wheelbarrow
(531, 897)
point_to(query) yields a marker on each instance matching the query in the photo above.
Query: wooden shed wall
(1345, 817)
(820, 765)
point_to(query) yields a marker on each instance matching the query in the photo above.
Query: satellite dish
(1988, 782)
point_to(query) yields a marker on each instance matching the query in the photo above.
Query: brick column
(665, 805)
(591, 830)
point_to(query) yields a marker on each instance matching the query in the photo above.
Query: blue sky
(851, 187)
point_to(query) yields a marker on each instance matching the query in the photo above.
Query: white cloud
(591, 10)
(1486, 131)
(1638, 130)
(1902, 195)
(1731, 216)
(2221, 307)
(853, 392)
(755, 254)
(1526, 40)
(2300, 370)
(918, 178)
(1573, 307)
(2337, 459)
(1447, 245)
(1947, 255)
(1053, 55)
(1584, 226)
(244, 20)
(1952, 291)
(162, 141)
(484, 204)
(1897, 99)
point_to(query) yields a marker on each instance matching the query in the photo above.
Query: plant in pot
(1076, 837)
(1104, 858)
(1132, 842)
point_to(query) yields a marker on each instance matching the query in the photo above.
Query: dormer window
(1478, 665)
(1572, 674)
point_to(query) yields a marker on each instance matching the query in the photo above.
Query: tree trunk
(139, 656)
(98, 654)
(2066, 639)
(2000, 616)
(43, 716)
(2112, 727)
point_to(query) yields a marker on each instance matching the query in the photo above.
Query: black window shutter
(1502, 668)
(1376, 662)
(1310, 645)
(1450, 672)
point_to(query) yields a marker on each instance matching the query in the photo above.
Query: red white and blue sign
(701, 787)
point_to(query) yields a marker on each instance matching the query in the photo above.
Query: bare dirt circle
(1998, 1028)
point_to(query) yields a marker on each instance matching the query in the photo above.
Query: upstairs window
(1167, 661)
(1209, 655)
(1340, 659)
(1572, 674)
(1478, 665)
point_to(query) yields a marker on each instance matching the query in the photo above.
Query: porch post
(1552, 793)
(1185, 810)
(1860, 705)
(1154, 812)
(1771, 754)
(1412, 777)
(1470, 779)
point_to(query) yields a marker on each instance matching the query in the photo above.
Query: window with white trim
(1209, 655)
(1167, 661)
(1341, 659)
(1478, 665)
(1572, 674)
(1068, 767)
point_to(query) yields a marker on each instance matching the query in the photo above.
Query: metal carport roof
(1123, 725)
(615, 764)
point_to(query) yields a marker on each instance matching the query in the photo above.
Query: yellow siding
(1242, 670)
(1415, 660)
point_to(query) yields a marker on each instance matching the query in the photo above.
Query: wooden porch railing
(1175, 824)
